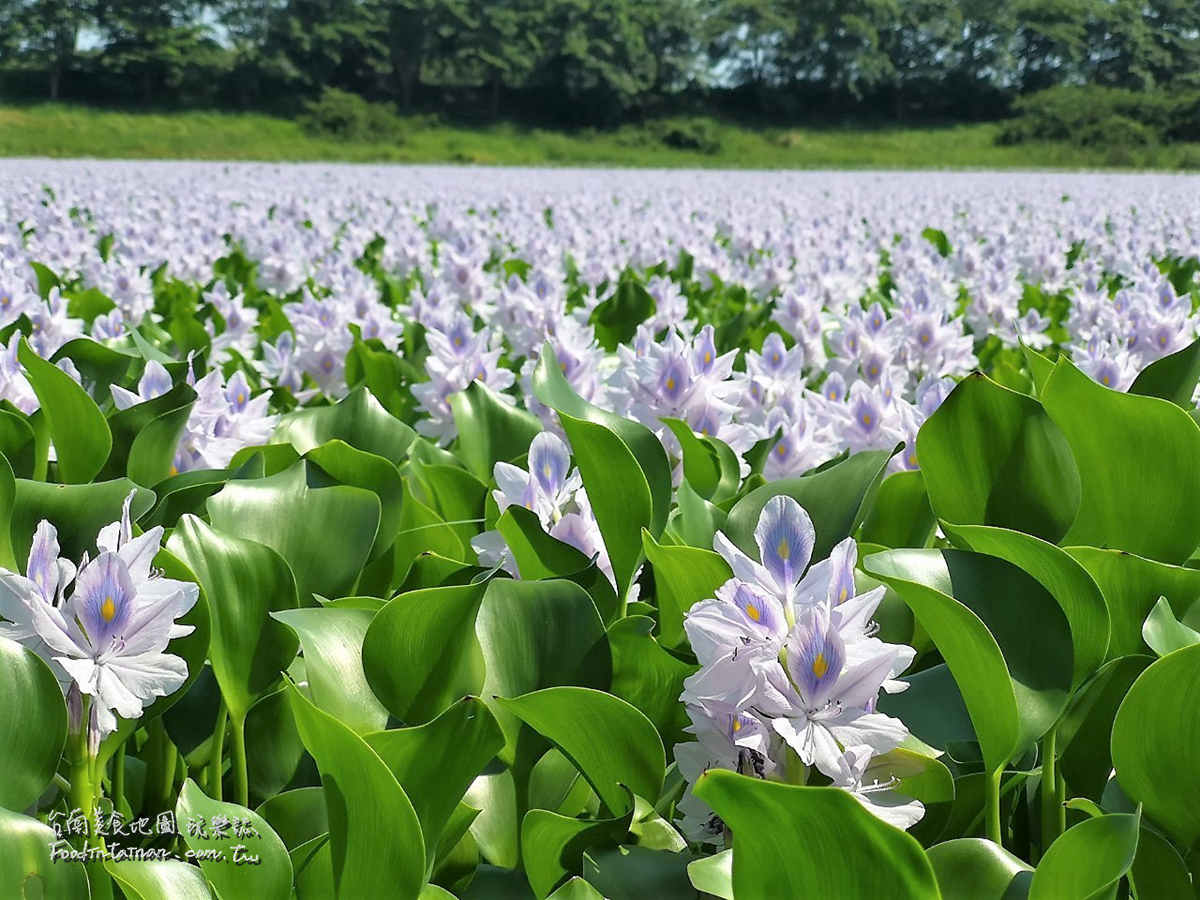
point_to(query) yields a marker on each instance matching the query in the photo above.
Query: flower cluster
(790, 673)
(103, 625)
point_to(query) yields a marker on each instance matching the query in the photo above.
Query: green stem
(1050, 805)
(1060, 799)
(241, 781)
(217, 753)
(83, 785)
(993, 807)
(118, 778)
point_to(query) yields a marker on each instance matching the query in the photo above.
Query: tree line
(596, 62)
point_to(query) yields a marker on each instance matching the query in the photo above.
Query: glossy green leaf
(78, 429)
(8, 497)
(490, 430)
(535, 634)
(325, 534)
(614, 745)
(648, 677)
(553, 845)
(977, 869)
(146, 435)
(617, 491)
(421, 531)
(1158, 871)
(551, 388)
(159, 879)
(1163, 633)
(697, 520)
(683, 576)
(538, 555)
(27, 870)
(496, 829)
(1156, 743)
(862, 856)
(78, 511)
(1002, 635)
(1066, 580)
(33, 725)
(270, 878)
(1136, 458)
(436, 763)
(991, 456)
(1087, 858)
(1172, 377)
(17, 442)
(297, 816)
(375, 838)
(358, 468)
(1131, 586)
(1086, 728)
(454, 494)
(576, 889)
(835, 498)
(420, 653)
(243, 582)
(634, 872)
(713, 874)
(332, 641)
(901, 515)
(358, 419)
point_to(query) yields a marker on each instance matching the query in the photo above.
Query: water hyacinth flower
(108, 637)
(789, 655)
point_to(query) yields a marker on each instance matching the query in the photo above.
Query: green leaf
(709, 466)
(297, 816)
(617, 490)
(1164, 633)
(901, 515)
(977, 869)
(553, 845)
(1131, 586)
(435, 763)
(490, 430)
(420, 653)
(159, 879)
(1067, 581)
(8, 498)
(454, 494)
(27, 871)
(698, 520)
(332, 641)
(551, 388)
(616, 319)
(576, 889)
(78, 511)
(33, 725)
(358, 419)
(713, 875)
(1040, 367)
(375, 838)
(325, 534)
(1003, 637)
(991, 456)
(421, 531)
(270, 878)
(1156, 743)
(613, 744)
(535, 634)
(1158, 871)
(636, 872)
(858, 854)
(154, 428)
(648, 677)
(538, 555)
(77, 427)
(243, 582)
(1137, 466)
(683, 576)
(17, 442)
(1172, 377)
(1086, 727)
(1087, 859)
(358, 468)
(835, 498)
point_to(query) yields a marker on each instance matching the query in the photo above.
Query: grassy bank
(66, 131)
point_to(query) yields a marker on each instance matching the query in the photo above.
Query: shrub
(693, 133)
(341, 114)
(1092, 115)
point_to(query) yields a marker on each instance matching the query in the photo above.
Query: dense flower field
(376, 532)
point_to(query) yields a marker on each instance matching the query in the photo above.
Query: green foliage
(346, 116)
